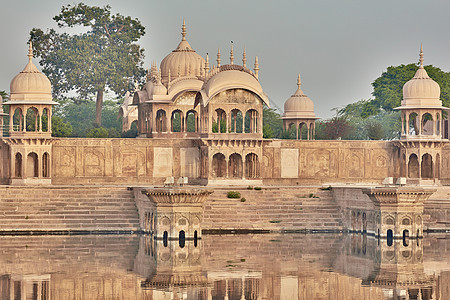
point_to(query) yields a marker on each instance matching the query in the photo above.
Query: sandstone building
(205, 123)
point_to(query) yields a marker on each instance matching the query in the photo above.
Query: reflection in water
(290, 266)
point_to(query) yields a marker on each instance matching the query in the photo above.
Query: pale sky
(338, 47)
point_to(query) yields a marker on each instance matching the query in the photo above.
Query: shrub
(232, 194)
(249, 187)
(243, 199)
(258, 188)
(97, 133)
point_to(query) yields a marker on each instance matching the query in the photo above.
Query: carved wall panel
(190, 162)
(162, 162)
(289, 163)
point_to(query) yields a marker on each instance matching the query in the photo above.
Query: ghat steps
(272, 209)
(68, 208)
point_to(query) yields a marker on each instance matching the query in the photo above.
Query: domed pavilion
(30, 142)
(299, 113)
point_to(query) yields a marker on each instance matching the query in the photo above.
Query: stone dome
(31, 85)
(183, 60)
(421, 90)
(299, 105)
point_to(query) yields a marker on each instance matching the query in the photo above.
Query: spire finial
(299, 81)
(206, 65)
(256, 68)
(30, 51)
(244, 59)
(231, 54)
(421, 56)
(218, 58)
(183, 30)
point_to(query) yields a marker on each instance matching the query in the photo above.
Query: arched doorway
(427, 166)
(18, 120)
(427, 124)
(32, 119)
(18, 165)
(413, 166)
(437, 173)
(251, 166)
(219, 165)
(236, 121)
(191, 121)
(176, 121)
(45, 165)
(220, 124)
(32, 165)
(161, 121)
(251, 121)
(235, 166)
(403, 165)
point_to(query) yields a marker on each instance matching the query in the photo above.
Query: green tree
(337, 128)
(103, 58)
(272, 123)
(99, 132)
(60, 128)
(375, 131)
(388, 88)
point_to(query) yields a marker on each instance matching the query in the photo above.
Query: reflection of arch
(413, 166)
(181, 239)
(427, 166)
(364, 223)
(235, 166)
(161, 121)
(390, 237)
(251, 166)
(18, 165)
(219, 165)
(32, 165)
(45, 165)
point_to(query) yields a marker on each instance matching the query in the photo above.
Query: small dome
(31, 85)
(299, 105)
(421, 90)
(183, 60)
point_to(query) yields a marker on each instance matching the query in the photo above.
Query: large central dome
(183, 61)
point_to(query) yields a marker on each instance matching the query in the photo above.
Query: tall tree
(388, 88)
(102, 58)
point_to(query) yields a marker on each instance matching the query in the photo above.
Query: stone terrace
(274, 209)
(68, 208)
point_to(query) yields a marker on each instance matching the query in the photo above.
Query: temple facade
(205, 123)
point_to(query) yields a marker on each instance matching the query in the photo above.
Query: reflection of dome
(421, 90)
(183, 60)
(299, 105)
(31, 85)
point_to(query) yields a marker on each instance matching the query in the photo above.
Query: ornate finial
(231, 54)
(244, 59)
(256, 68)
(218, 58)
(299, 81)
(421, 56)
(183, 31)
(30, 51)
(206, 65)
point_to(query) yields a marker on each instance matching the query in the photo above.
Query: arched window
(251, 121)
(18, 120)
(427, 124)
(32, 165)
(427, 166)
(236, 121)
(302, 131)
(177, 122)
(45, 165)
(220, 123)
(413, 166)
(413, 124)
(191, 121)
(44, 120)
(235, 166)
(161, 121)
(18, 165)
(32, 119)
(251, 166)
(219, 165)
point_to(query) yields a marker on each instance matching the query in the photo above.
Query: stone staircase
(283, 209)
(68, 208)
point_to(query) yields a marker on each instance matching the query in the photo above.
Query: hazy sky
(339, 47)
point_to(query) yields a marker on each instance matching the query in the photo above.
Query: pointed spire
(231, 54)
(299, 81)
(421, 56)
(206, 65)
(256, 68)
(30, 52)
(218, 58)
(244, 59)
(183, 30)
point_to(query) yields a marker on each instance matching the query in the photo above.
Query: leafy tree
(60, 128)
(272, 123)
(375, 131)
(337, 128)
(99, 132)
(132, 133)
(103, 58)
(388, 88)
(361, 108)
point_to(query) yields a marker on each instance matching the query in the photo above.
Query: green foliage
(337, 128)
(388, 88)
(215, 126)
(375, 130)
(362, 108)
(99, 132)
(233, 194)
(272, 123)
(258, 188)
(243, 199)
(132, 133)
(104, 57)
(60, 128)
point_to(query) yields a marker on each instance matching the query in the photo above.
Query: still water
(265, 266)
